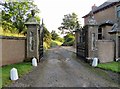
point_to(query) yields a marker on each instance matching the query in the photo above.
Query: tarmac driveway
(61, 68)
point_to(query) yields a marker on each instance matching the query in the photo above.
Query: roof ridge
(105, 4)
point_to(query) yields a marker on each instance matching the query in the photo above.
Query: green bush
(46, 39)
(59, 39)
(55, 43)
(69, 40)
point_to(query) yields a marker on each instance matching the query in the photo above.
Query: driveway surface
(61, 68)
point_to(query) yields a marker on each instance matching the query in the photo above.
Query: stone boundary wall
(105, 50)
(13, 50)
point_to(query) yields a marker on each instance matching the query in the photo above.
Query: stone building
(100, 37)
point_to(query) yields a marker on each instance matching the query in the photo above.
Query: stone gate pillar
(92, 36)
(32, 37)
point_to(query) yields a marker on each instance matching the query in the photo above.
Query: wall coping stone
(13, 38)
(104, 40)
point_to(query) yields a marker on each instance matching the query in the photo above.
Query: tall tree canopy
(15, 14)
(70, 23)
(54, 35)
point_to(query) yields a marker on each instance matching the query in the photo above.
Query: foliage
(68, 40)
(15, 14)
(55, 43)
(11, 34)
(54, 35)
(22, 68)
(47, 38)
(69, 24)
(59, 39)
(113, 66)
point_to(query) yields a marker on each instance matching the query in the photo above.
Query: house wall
(107, 14)
(105, 50)
(13, 50)
(115, 38)
(105, 33)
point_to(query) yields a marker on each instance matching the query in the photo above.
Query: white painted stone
(34, 62)
(13, 74)
(95, 62)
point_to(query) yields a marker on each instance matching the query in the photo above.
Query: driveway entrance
(61, 68)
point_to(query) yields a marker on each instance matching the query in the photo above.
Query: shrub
(69, 40)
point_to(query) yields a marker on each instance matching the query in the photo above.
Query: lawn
(22, 68)
(112, 66)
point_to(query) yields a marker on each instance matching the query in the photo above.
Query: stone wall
(105, 50)
(13, 50)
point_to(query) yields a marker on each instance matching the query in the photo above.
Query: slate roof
(105, 5)
(107, 22)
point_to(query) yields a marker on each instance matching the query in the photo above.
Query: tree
(69, 40)
(70, 23)
(15, 14)
(47, 38)
(54, 35)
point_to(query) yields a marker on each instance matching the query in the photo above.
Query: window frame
(118, 11)
(100, 33)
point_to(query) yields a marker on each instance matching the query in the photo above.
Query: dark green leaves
(70, 23)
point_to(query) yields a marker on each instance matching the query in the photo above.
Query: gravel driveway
(61, 68)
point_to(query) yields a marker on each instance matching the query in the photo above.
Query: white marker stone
(34, 62)
(95, 62)
(13, 74)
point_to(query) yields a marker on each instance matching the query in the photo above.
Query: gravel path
(61, 68)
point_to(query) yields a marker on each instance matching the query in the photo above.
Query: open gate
(119, 46)
(41, 32)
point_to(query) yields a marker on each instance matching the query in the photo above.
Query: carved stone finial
(91, 19)
(33, 13)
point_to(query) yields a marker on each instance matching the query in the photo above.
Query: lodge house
(100, 36)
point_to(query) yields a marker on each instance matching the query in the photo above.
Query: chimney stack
(94, 7)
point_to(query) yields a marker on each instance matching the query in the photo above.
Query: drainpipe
(114, 49)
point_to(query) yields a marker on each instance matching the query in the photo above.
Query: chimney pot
(94, 7)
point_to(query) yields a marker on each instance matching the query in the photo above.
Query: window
(93, 41)
(31, 42)
(118, 11)
(100, 34)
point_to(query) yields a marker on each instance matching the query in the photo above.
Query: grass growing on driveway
(113, 66)
(22, 68)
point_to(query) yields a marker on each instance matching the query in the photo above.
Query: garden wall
(13, 49)
(105, 51)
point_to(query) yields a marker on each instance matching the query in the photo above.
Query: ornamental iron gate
(119, 46)
(41, 34)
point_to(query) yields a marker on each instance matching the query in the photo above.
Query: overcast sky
(53, 11)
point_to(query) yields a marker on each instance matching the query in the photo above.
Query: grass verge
(22, 68)
(112, 66)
